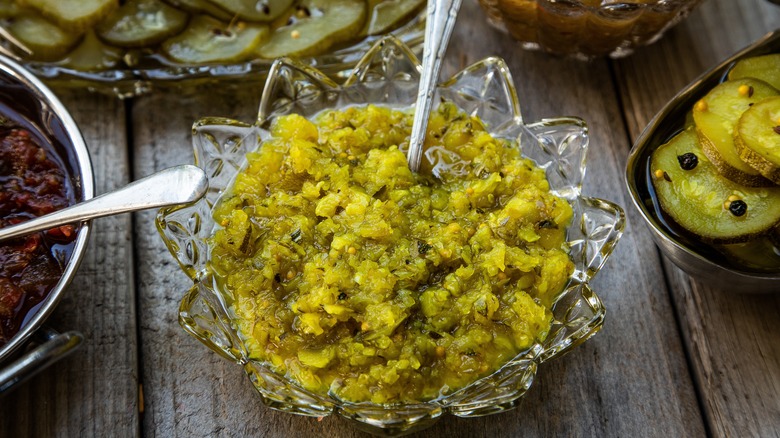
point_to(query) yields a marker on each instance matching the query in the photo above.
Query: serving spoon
(172, 186)
(440, 20)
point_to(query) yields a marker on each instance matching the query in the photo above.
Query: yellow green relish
(352, 275)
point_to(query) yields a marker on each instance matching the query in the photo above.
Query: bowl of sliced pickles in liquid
(705, 173)
(125, 46)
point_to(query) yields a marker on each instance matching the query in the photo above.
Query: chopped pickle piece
(386, 15)
(705, 203)
(140, 23)
(324, 23)
(46, 40)
(758, 137)
(209, 40)
(75, 15)
(766, 68)
(376, 284)
(254, 10)
(92, 54)
(716, 116)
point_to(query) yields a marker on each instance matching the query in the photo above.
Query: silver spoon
(175, 185)
(440, 20)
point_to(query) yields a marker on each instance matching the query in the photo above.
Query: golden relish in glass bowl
(343, 283)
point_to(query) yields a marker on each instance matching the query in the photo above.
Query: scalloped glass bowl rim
(579, 281)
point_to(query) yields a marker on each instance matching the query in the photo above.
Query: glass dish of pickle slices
(129, 46)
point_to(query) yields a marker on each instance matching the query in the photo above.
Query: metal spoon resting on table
(172, 186)
(440, 20)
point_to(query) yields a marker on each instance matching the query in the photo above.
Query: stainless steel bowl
(691, 256)
(24, 99)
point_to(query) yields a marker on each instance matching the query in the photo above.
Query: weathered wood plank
(728, 336)
(95, 390)
(630, 379)
(614, 384)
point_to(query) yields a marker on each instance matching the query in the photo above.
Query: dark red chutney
(32, 183)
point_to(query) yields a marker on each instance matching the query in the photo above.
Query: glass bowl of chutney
(388, 75)
(586, 29)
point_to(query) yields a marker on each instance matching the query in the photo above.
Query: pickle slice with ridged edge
(9, 8)
(75, 15)
(766, 68)
(209, 40)
(386, 15)
(704, 202)
(716, 117)
(201, 6)
(92, 54)
(140, 23)
(46, 40)
(254, 10)
(758, 137)
(324, 24)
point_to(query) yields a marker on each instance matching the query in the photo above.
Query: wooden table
(675, 358)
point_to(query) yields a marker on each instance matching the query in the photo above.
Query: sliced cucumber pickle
(46, 40)
(209, 40)
(386, 15)
(75, 15)
(705, 203)
(716, 116)
(92, 54)
(9, 8)
(254, 10)
(320, 25)
(201, 6)
(758, 137)
(766, 68)
(759, 253)
(140, 23)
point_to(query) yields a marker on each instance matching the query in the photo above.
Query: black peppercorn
(688, 161)
(738, 207)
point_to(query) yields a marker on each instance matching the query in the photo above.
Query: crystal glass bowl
(389, 74)
(140, 70)
(586, 28)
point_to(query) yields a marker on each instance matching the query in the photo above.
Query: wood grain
(729, 337)
(683, 361)
(96, 389)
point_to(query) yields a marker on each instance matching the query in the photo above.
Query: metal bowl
(25, 100)
(693, 257)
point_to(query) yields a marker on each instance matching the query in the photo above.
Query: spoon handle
(175, 185)
(440, 18)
